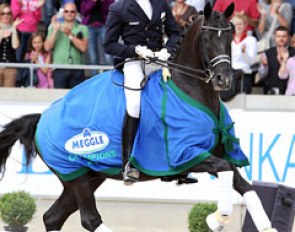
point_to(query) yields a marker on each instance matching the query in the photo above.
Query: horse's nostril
(220, 79)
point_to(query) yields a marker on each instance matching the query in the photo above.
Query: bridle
(223, 58)
(208, 64)
(206, 74)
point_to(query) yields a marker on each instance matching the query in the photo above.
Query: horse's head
(206, 45)
(217, 37)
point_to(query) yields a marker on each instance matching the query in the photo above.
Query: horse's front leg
(253, 203)
(218, 166)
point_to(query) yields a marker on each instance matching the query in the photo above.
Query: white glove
(163, 54)
(166, 74)
(144, 52)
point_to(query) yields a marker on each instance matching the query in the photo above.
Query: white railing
(31, 67)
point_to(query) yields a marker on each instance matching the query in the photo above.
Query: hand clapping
(283, 54)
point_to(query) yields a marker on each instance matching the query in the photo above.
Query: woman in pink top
(286, 70)
(30, 11)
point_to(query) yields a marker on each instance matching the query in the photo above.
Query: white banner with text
(267, 139)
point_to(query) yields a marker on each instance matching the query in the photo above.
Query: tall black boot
(130, 125)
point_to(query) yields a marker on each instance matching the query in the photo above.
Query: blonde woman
(244, 50)
(9, 42)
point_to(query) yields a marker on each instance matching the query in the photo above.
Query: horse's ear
(229, 10)
(207, 10)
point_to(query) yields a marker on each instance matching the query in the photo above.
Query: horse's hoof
(216, 222)
(186, 180)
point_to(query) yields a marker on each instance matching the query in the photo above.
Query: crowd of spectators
(76, 36)
(51, 32)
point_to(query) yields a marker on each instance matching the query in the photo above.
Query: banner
(267, 138)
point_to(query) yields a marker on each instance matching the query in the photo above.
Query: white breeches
(133, 75)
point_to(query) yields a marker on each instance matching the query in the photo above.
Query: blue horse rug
(82, 130)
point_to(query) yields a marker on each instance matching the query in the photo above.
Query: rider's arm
(114, 29)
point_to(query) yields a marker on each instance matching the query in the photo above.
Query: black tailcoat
(128, 21)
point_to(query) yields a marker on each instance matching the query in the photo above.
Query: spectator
(38, 55)
(169, 3)
(77, 3)
(94, 14)
(48, 11)
(292, 28)
(272, 59)
(249, 8)
(9, 42)
(292, 41)
(30, 11)
(69, 41)
(5, 2)
(131, 20)
(183, 13)
(197, 4)
(273, 14)
(287, 70)
(243, 50)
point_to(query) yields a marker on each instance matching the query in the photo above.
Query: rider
(141, 24)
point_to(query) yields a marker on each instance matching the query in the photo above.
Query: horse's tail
(22, 129)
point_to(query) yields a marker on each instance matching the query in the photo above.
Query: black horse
(199, 70)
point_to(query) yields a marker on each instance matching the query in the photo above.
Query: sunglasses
(6, 13)
(70, 11)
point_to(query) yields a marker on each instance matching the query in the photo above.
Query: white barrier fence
(32, 67)
(267, 138)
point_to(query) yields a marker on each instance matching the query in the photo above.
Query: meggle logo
(87, 142)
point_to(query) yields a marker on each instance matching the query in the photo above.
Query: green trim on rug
(173, 171)
(72, 175)
(189, 100)
(83, 170)
(163, 117)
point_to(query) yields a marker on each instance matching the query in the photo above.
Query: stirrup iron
(130, 174)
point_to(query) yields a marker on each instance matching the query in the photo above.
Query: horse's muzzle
(222, 82)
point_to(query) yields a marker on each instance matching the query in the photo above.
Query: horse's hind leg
(58, 213)
(90, 218)
(252, 201)
(65, 205)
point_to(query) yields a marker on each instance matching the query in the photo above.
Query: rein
(207, 73)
